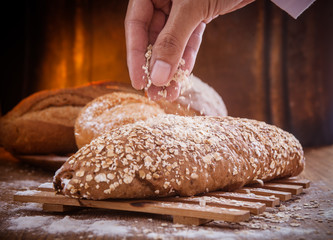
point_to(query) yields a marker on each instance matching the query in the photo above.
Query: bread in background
(111, 111)
(116, 109)
(43, 123)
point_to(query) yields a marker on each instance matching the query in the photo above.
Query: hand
(175, 29)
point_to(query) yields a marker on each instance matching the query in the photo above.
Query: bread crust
(174, 155)
(43, 123)
(111, 111)
(197, 98)
(119, 108)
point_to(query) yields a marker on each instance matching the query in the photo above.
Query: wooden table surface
(307, 216)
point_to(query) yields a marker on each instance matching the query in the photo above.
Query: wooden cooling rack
(226, 206)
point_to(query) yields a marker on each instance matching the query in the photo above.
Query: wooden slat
(189, 220)
(148, 206)
(293, 189)
(269, 201)
(58, 208)
(253, 207)
(226, 206)
(294, 181)
(283, 196)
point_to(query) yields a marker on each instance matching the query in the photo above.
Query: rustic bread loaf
(196, 98)
(43, 123)
(110, 111)
(113, 110)
(174, 155)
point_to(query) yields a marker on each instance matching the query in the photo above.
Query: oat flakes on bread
(111, 111)
(174, 155)
(115, 109)
(43, 123)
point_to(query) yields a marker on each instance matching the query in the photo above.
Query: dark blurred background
(265, 64)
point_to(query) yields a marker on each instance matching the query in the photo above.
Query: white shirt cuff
(293, 7)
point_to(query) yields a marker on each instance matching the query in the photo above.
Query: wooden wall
(270, 67)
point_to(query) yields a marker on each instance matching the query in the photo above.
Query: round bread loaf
(119, 108)
(196, 98)
(111, 111)
(173, 155)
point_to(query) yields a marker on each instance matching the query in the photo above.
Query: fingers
(241, 5)
(156, 25)
(171, 92)
(171, 42)
(192, 47)
(161, 69)
(163, 5)
(176, 27)
(137, 21)
(153, 92)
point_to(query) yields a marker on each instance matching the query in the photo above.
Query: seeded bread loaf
(43, 123)
(172, 155)
(111, 111)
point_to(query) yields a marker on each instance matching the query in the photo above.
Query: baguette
(173, 155)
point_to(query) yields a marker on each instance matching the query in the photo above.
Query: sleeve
(293, 7)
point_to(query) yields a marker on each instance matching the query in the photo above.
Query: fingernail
(160, 73)
(138, 85)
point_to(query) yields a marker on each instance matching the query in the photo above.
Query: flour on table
(54, 225)
(28, 222)
(67, 224)
(28, 207)
(20, 184)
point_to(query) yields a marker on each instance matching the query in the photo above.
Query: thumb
(171, 42)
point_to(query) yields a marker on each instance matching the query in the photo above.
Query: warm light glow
(79, 40)
(88, 48)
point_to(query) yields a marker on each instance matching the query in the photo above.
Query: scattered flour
(96, 227)
(280, 233)
(27, 192)
(28, 222)
(156, 236)
(202, 233)
(240, 234)
(67, 224)
(328, 214)
(28, 207)
(46, 185)
(3, 205)
(20, 184)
